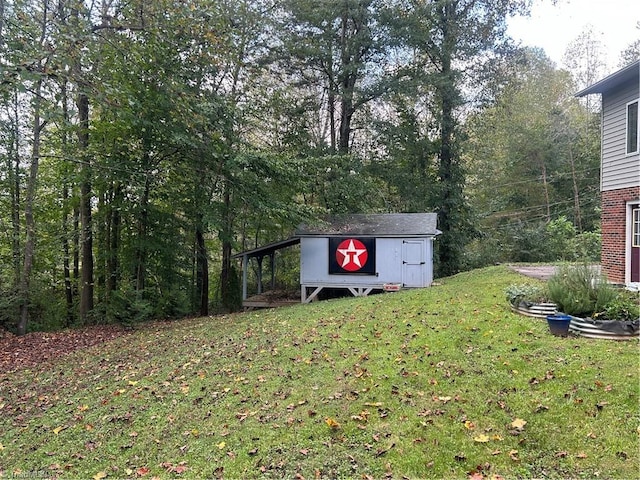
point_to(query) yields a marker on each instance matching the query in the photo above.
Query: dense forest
(143, 143)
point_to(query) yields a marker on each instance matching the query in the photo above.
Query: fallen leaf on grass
(469, 425)
(331, 423)
(99, 476)
(513, 454)
(221, 445)
(142, 471)
(581, 455)
(481, 438)
(518, 423)
(171, 468)
(541, 408)
(57, 430)
(382, 451)
(362, 416)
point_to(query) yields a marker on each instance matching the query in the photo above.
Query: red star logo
(351, 255)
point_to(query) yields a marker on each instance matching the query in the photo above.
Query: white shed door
(413, 263)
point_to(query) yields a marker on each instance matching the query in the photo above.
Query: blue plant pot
(559, 324)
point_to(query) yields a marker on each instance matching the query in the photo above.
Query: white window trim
(626, 128)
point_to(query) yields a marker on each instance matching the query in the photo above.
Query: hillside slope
(442, 382)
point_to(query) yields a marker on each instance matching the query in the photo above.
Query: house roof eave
(612, 81)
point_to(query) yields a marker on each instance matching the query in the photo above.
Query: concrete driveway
(541, 272)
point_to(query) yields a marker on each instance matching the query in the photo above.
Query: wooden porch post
(272, 260)
(245, 267)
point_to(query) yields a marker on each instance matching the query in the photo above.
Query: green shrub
(580, 290)
(483, 251)
(625, 306)
(586, 246)
(128, 308)
(560, 233)
(526, 293)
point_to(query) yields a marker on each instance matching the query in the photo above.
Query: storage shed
(362, 253)
(359, 253)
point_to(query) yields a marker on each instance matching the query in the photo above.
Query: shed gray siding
(619, 170)
(403, 244)
(390, 263)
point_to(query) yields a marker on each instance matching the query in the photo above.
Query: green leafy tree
(533, 159)
(335, 50)
(447, 43)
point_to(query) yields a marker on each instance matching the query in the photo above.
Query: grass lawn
(442, 382)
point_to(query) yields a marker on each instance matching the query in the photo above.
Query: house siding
(619, 170)
(614, 231)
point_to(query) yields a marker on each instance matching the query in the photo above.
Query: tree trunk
(76, 248)
(1, 20)
(202, 260)
(346, 114)
(86, 227)
(576, 192)
(101, 236)
(447, 169)
(545, 185)
(348, 82)
(68, 286)
(113, 275)
(29, 247)
(141, 251)
(331, 99)
(225, 236)
(66, 261)
(14, 175)
(30, 225)
(202, 270)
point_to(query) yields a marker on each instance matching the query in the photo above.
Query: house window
(632, 127)
(635, 236)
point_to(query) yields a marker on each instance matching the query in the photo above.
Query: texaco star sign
(351, 255)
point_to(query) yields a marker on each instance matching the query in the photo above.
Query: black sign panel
(352, 256)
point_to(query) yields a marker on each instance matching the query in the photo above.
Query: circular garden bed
(584, 327)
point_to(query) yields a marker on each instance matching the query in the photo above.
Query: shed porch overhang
(259, 253)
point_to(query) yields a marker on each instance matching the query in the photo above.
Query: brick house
(620, 173)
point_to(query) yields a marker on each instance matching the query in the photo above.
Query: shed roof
(628, 73)
(375, 225)
(265, 250)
